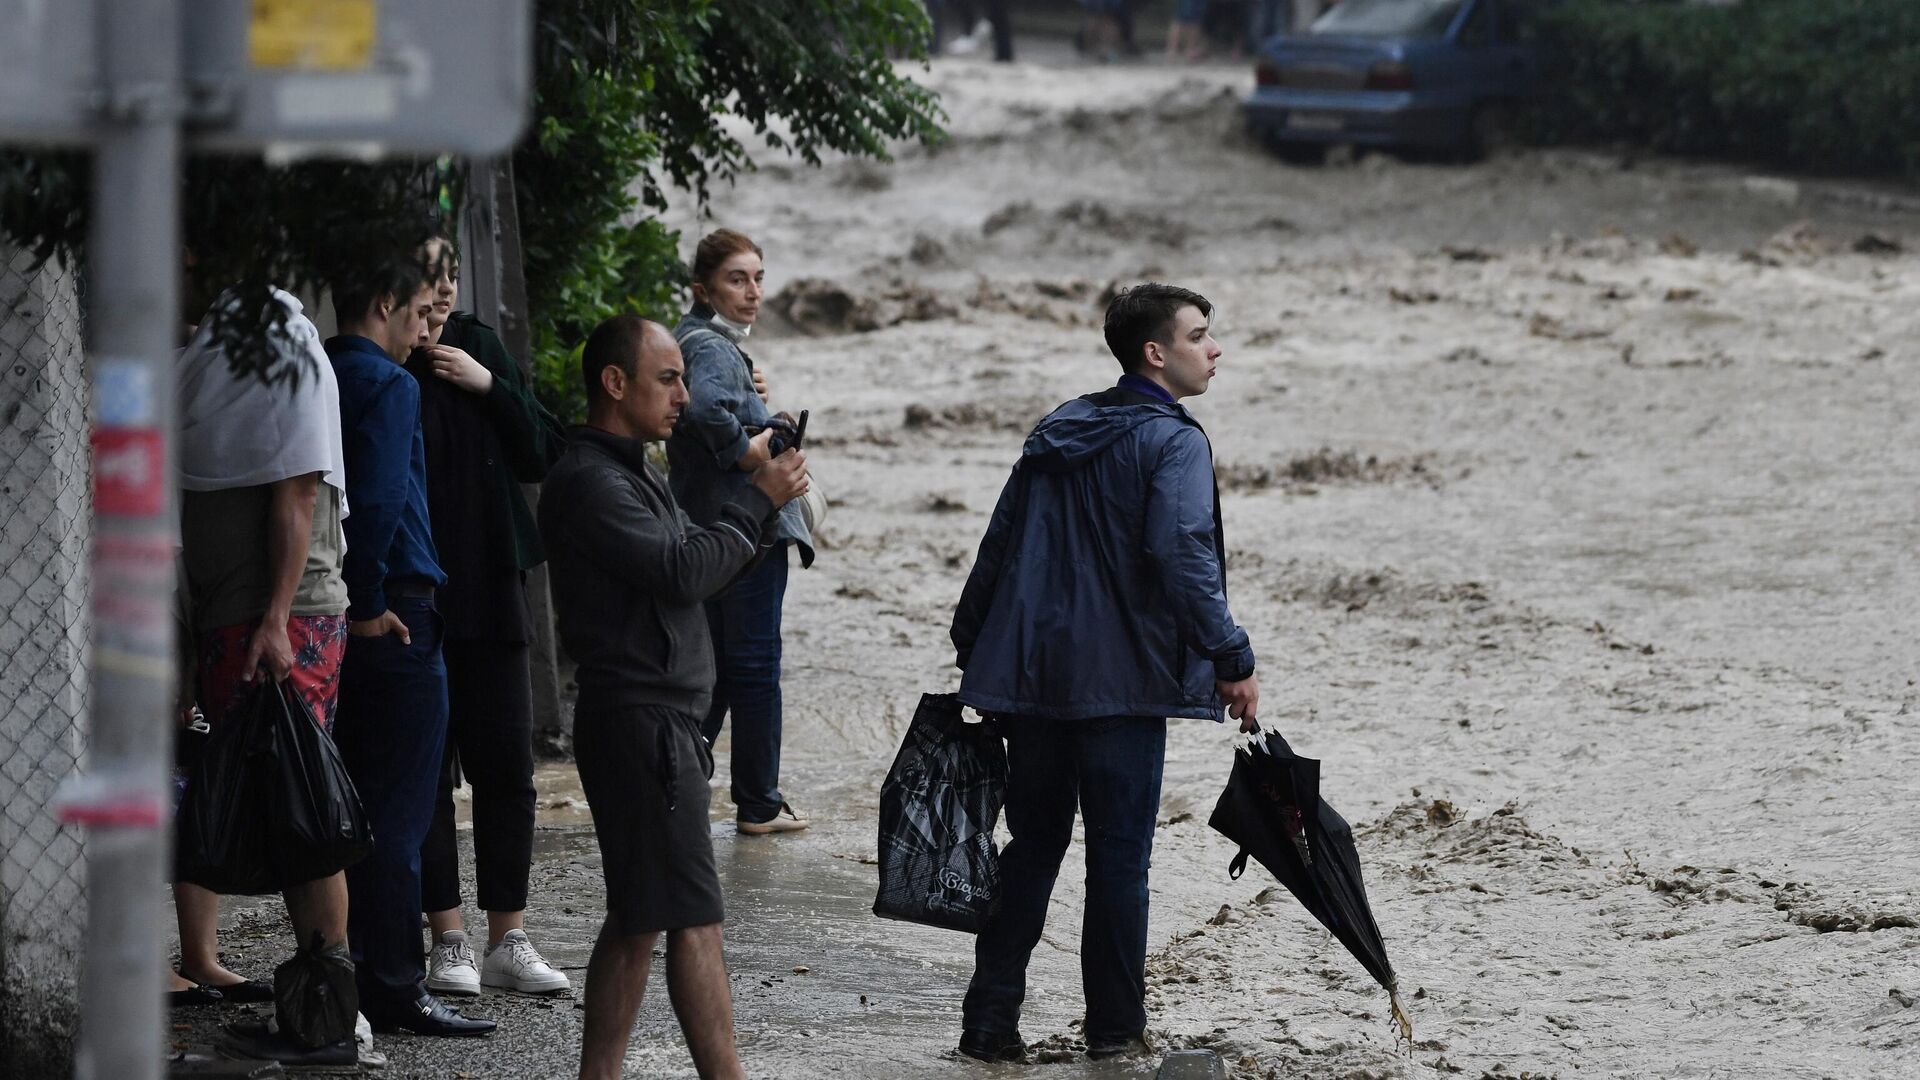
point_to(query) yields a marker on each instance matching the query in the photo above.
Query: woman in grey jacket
(711, 459)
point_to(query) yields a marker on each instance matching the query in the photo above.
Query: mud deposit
(1572, 510)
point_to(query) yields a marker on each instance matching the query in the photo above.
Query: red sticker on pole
(127, 474)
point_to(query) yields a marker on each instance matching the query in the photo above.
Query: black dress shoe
(993, 1045)
(429, 1016)
(250, 992)
(193, 995)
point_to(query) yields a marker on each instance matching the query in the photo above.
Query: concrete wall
(45, 514)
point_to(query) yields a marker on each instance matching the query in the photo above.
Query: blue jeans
(745, 621)
(392, 733)
(1111, 768)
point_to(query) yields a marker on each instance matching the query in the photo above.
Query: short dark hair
(1145, 313)
(396, 272)
(616, 342)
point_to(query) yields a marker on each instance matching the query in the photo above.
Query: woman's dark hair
(396, 272)
(616, 342)
(716, 248)
(449, 251)
(1145, 313)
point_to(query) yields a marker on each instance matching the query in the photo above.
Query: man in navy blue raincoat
(1097, 608)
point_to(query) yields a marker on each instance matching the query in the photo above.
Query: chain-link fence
(45, 516)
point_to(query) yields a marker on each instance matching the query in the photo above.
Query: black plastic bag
(938, 807)
(315, 998)
(222, 839)
(268, 804)
(317, 823)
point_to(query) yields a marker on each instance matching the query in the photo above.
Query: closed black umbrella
(1272, 808)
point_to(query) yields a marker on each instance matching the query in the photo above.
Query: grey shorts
(644, 770)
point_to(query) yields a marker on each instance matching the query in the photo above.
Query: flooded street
(1571, 507)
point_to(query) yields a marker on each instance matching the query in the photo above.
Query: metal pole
(133, 261)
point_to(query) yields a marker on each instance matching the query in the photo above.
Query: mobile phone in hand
(799, 431)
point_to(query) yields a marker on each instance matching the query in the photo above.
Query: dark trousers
(490, 734)
(1002, 30)
(745, 621)
(1111, 767)
(391, 731)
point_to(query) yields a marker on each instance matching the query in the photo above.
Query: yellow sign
(315, 35)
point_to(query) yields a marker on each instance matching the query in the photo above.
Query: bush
(1825, 85)
(629, 98)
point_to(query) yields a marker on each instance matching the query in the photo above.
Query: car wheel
(1489, 130)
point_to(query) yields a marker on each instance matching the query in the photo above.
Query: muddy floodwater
(1571, 505)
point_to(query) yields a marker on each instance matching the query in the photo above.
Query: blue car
(1419, 74)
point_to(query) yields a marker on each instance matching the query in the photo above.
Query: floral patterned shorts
(319, 644)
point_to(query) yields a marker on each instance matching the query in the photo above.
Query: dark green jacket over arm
(531, 439)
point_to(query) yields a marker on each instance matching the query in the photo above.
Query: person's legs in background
(1267, 18)
(490, 733)
(1120, 763)
(935, 9)
(1002, 19)
(198, 913)
(1186, 37)
(391, 732)
(747, 659)
(498, 759)
(1101, 33)
(451, 966)
(1230, 21)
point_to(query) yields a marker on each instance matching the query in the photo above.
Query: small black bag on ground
(268, 804)
(938, 807)
(315, 998)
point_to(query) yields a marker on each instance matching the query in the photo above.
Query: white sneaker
(450, 967)
(515, 964)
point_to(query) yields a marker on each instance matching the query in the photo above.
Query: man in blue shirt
(392, 724)
(1098, 608)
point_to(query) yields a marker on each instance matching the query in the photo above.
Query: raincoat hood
(1079, 431)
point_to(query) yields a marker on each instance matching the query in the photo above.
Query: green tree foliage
(1825, 85)
(246, 225)
(629, 99)
(629, 96)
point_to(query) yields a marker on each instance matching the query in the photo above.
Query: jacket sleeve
(610, 524)
(378, 447)
(977, 597)
(712, 416)
(1180, 542)
(531, 436)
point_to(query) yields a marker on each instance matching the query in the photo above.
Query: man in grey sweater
(630, 573)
